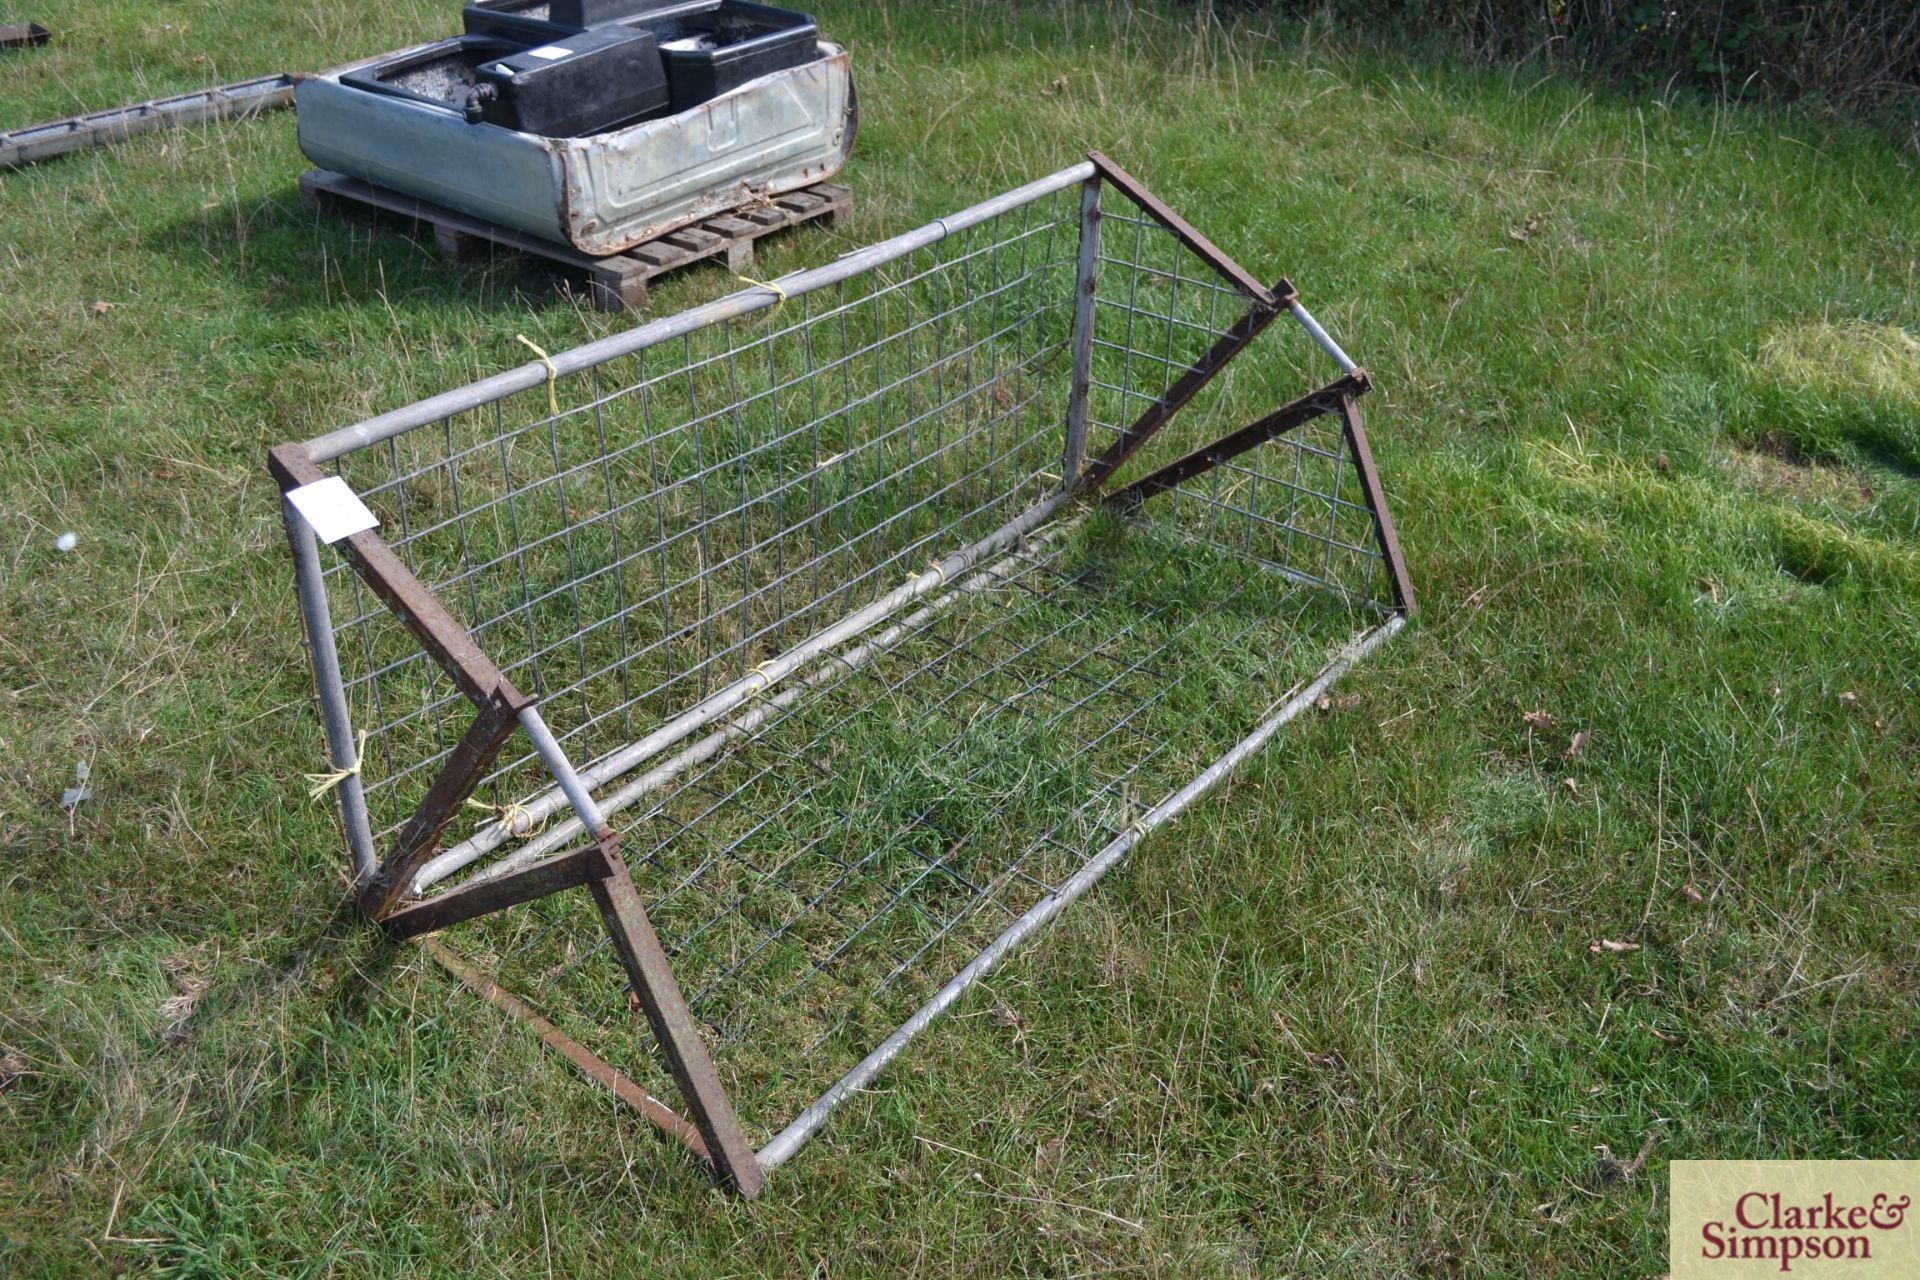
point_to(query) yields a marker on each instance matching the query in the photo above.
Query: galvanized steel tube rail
(336, 444)
(561, 768)
(1327, 344)
(335, 714)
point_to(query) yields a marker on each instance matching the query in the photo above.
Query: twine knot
(553, 372)
(318, 784)
(514, 818)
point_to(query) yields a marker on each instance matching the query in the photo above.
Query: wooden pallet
(618, 282)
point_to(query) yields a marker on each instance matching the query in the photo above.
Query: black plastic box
(598, 13)
(443, 74)
(709, 46)
(713, 50)
(552, 19)
(583, 84)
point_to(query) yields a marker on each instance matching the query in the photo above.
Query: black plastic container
(443, 74)
(709, 46)
(599, 13)
(551, 19)
(710, 51)
(583, 84)
(577, 85)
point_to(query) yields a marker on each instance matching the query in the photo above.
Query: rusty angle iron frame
(499, 709)
(382, 885)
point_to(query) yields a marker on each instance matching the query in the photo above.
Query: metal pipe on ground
(33, 142)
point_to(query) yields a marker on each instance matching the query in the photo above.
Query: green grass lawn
(1648, 407)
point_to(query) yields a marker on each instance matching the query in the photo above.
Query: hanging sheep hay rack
(832, 636)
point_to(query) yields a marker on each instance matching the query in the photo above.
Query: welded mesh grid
(712, 500)
(698, 507)
(1296, 504)
(816, 882)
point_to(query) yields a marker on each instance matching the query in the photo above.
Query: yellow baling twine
(773, 289)
(321, 783)
(934, 567)
(553, 401)
(515, 819)
(766, 678)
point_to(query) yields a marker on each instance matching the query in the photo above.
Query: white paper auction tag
(334, 510)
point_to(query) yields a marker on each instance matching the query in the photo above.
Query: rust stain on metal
(444, 638)
(1183, 231)
(1356, 432)
(1184, 389)
(674, 1028)
(590, 236)
(1327, 399)
(552, 875)
(468, 762)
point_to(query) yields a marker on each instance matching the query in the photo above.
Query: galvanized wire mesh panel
(1295, 503)
(696, 507)
(817, 882)
(880, 787)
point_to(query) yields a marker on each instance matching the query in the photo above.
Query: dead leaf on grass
(13, 1065)
(1691, 893)
(1419, 974)
(185, 969)
(1538, 721)
(1528, 229)
(175, 1010)
(1005, 1015)
(1331, 1061)
(1849, 699)
(1577, 745)
(1608, 944)
(101, 308)
(1059, 85)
